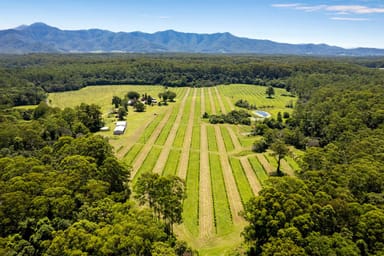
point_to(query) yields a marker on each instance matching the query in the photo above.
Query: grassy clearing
(212, 145)
(172, 162)
(149, 163)
(132, 153)
(223, 218)
(227, 139)
(261, 174)
(191, 203)
(241, 180)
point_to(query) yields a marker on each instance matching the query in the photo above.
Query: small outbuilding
(120, 128)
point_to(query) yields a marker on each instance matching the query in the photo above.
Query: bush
(260, 146)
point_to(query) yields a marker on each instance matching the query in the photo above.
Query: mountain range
(42, 38)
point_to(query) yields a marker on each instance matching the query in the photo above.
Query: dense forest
(25, 79)
(61, 196)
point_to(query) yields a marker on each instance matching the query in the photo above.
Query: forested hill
(40, 37)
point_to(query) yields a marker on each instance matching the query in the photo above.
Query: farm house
(120, 127)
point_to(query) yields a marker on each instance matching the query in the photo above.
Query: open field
(220, 171)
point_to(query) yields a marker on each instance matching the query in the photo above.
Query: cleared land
(220, 171)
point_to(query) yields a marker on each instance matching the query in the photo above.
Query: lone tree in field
(122, 113)
(139, 106)
(132, 95)
(116, 101)
(270, 91)
(280, 150)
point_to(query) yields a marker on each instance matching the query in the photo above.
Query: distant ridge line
(42, 38)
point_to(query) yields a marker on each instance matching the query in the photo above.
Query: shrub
(260, 146)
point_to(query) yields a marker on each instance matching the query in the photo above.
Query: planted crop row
(179, 139)
(225, 99)
(271, 160)
(227, 139)
(261, 174)
(167, 128)
(223, 218)
(295, 166)
(148, 163)
(241, 180)
(132, 153)
(172, 162)
(212, 145)
(191, 203)
(207, 101)
(216, 101)
(150, 128)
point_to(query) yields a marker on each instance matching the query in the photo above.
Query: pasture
(220, 171)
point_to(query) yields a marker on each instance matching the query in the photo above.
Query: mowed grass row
(172, 162)
(191, 203)
(294, 165)
(148, 163)
(179, 139)
(150, 128)
(132, 154)
(167, 128)
(223, 218)
(207, 101)
(212, 144)
(195, 143)
(271, 159)
(216, 101)
(241, 180)
(227, 139)
(261, 174)
(224, 98)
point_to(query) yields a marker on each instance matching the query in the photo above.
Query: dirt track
(184, 158)
(162, 160)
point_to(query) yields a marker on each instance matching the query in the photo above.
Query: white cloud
(349, 19)
(338, 9)
(354, 9)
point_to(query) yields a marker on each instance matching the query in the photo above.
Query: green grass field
(142, 127)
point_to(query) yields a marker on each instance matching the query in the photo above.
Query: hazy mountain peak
(40, 37)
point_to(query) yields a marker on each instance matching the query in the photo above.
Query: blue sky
(356, 23)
